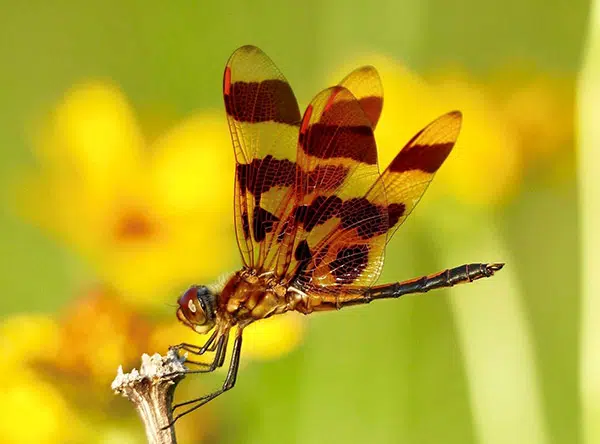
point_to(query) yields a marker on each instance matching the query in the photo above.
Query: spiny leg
(196, 349)
(228, 384)
(218, 359)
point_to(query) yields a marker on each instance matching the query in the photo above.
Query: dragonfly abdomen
(446, 278)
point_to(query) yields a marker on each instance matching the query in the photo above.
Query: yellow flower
(35, 411)
(98, 333)
(150, 219)
(24, 393)
(540, 107)
(29, 337)
(274, 336)
(542, 110)
(485, 166)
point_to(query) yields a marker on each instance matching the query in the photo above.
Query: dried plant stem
(151, 390)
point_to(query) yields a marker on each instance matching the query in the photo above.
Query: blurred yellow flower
(540, 107)
(274, 336)
(485, 166)
(150, 219)
(29, 337)
(35, 411)
(25, 340)
(98, 333)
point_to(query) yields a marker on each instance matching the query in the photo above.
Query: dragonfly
(313, 213)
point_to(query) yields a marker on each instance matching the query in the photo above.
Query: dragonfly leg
(228, 384)
(216, 362)
(196, 349)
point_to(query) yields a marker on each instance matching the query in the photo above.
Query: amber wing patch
(339, 232)
(412, 170)
(264, 120)
(365, 84)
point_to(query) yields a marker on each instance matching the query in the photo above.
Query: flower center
(134, 225)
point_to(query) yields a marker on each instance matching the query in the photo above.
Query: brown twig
(151, 391)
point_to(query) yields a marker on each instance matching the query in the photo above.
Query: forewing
(340, 234)
(264, 119)
(410, 173)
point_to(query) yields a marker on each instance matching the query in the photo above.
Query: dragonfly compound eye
(191, 309)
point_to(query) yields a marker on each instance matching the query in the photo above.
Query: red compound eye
(191, 308)
(189, 295)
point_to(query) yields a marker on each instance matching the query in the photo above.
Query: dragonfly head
(197, 308)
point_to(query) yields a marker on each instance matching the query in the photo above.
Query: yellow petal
(36, 411)
(273, 337)
(90, 155)
(29, 337)
(541, 110)
(194, 165)
(93, 136)
(486, 165)
(99, 332)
